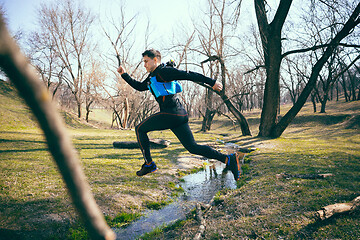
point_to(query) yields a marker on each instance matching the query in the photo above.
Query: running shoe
(147, 168)
(233, 164)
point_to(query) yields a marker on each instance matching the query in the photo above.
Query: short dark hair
(152, 53)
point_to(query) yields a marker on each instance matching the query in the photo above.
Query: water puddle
(199, 187)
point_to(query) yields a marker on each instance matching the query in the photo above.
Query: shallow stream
(199, 187)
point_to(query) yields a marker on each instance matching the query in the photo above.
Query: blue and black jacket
(162, 83)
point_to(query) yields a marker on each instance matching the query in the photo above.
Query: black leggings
(177, 122)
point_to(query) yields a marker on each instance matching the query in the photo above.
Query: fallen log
(154, 143)
(238, 148)
(246, 150)
(304, 176)
(338, 208)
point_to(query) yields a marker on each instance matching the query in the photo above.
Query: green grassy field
(35, 205)
(34, 201)
(266, 207)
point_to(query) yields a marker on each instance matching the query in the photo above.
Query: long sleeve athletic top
(167, 74)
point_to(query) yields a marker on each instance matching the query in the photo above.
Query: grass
(157, 233)
(122, 219)
(78, 231)
(269, 208)
(31, 185)
(156, 205)
(34, 202)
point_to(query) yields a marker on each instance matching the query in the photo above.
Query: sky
(166, 17)
(163, 14)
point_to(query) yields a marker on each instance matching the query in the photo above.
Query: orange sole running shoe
(233, 164)
(147, 168)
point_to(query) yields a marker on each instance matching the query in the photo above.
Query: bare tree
(46, 61)
(354, 77)
(93, 80)
(219, 45)
(345, 30)
(68, 27)
(349, 79)
(293, 80)
(207, 42)
(214, 39)
(325, 85)
(127, 109)
(271, 42)
(271, 38)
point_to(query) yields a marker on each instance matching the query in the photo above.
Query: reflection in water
(202, 186)
(199, 187)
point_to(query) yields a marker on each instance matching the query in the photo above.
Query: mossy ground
(266, 207)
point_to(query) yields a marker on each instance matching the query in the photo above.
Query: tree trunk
(88, 110)
(343, 84)
(112, 120)
(271, 41)
(117, 118)
(245, 130)
(154, 143)
(78, 103)
(323, 103)
(126, 113)
(209, 113)
(272, 89)
(207, 120)
(313, 100)
(87, 114)
(338, 208)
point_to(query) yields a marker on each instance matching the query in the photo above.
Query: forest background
(265, 53)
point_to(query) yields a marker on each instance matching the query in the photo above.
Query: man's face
(150, 64)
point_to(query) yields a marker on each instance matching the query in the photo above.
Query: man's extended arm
(169, 74)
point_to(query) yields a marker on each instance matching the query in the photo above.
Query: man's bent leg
(157, 121)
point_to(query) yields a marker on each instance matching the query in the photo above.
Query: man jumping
(162, 83)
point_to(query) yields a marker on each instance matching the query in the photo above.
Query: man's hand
(121, 70)
(217, 86)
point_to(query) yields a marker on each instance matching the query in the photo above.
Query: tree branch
(313, 48)
(254, 69)
(18, 69)
(281, 14)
